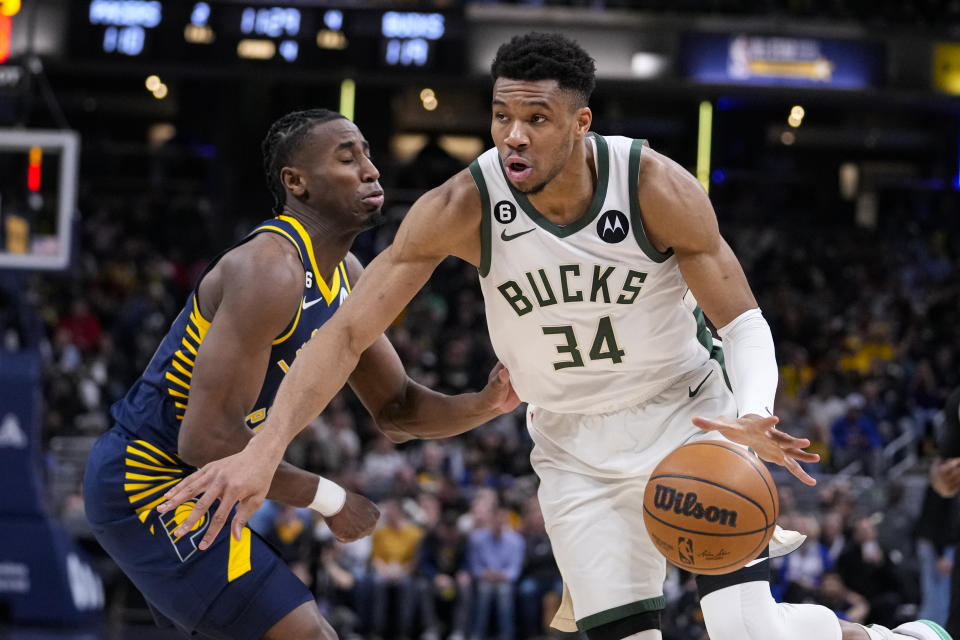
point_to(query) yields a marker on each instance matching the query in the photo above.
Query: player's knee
(738, 613)
(303, 623)
(626, 627)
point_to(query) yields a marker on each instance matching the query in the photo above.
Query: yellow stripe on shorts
(239, 563)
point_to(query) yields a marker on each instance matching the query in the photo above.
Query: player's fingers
(802, 456)
(794, 467)
(181, 492)
(786, 440)
(709, 425)
(245, 511)
(199, 509)
(217, 521)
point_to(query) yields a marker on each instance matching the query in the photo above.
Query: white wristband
(330, 498)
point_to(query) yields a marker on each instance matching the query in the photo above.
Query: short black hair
(285, 138)
(547, 56)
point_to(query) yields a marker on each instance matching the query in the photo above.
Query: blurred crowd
(868, 350)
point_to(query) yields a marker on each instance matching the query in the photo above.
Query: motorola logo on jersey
(613, 226)
(505, 211)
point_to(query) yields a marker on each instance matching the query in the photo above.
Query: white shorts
(593, 470)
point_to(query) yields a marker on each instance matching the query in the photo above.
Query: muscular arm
(445, 221)
(404, 409)
(677, 214)
(255, 291)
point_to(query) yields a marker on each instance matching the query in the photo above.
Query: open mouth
(517, 170)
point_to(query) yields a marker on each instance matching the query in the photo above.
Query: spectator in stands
(442, 578)
(945, 481)
(384, 467)
(343, 567)
(540, 585)
(865, 567)
(290, 531)
(802, 571)
(846, 603)
(935, 536)
(494, 559)
(855, 437)
(391, 568)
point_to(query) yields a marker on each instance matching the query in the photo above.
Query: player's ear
(292, 181)
(584, 118)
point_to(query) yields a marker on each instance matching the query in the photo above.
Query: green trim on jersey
(599, 195)
(705, 338)
(633, 175)
(477, 173)
(621, 612)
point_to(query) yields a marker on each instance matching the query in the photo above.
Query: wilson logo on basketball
(686, 504)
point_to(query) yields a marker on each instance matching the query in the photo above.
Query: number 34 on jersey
(568, 287)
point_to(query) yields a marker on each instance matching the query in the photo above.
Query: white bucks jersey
(588, 317)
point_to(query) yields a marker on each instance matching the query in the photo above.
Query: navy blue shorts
(232, 590)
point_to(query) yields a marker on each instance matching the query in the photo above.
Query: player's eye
(538, 119)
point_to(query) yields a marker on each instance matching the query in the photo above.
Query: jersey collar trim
(328, 292)
(599, 195)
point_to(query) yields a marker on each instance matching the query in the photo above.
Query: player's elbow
(193, 449)
(391, 422)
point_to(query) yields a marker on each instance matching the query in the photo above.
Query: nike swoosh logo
(307, 305)
(507, 237)
(694, 392)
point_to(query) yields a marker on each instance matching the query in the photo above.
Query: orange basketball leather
(710, 507)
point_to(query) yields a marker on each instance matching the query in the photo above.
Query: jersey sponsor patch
(613, 226)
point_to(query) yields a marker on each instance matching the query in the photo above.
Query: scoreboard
(307, 36)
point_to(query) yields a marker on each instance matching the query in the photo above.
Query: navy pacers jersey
(134, 464)
(157, 402)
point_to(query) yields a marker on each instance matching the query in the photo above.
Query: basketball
(710, 507)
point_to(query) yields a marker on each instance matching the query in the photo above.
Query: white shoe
(916, 630)
(922, 630)
(784, 541)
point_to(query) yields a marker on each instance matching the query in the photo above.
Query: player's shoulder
(267, 266)
(458, 194)
(676, 209)
(353, 265)
(443, 221)
(663, 179)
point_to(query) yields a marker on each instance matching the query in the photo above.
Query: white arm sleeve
(751, 362)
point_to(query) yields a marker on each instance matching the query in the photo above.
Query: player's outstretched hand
(761, 434)
(499, 392)
(355, 520)
(242, 479)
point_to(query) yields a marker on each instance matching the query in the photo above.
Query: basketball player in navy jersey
(598, 258)
(210, 384)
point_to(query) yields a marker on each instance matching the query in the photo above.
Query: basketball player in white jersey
(595, 255)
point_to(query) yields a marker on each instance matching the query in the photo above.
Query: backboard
(38, 193)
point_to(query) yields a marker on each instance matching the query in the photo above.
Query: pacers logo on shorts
(186, 545)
